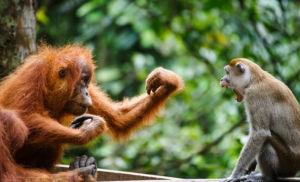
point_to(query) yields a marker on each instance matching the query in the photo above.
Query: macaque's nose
(224, 81)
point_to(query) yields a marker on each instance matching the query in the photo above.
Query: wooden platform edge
(176, 180)
(293, 179)
(121, 176)
(112, 175)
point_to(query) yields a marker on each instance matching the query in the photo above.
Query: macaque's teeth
(223, 84)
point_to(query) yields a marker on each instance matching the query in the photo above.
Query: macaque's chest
(275, 117)
(258, 114)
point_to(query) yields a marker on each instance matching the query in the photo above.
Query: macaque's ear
(240, 67)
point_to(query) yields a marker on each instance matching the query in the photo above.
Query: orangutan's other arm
(124, 117)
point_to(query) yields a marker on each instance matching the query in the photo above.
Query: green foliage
(193, 38)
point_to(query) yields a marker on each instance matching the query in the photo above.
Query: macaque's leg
(277, 163)
(268, 160)
(252, 167)
(288, 160)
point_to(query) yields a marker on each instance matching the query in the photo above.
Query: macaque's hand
(254, 176)
(229, 179)
(86, 167)
(163, 77)
(90, 126)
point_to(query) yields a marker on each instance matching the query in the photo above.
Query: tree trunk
(17, 33)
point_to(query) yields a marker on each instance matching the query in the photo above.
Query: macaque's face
(237, 77)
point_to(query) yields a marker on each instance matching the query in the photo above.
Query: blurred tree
(17, 33)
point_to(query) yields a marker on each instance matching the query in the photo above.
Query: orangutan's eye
(62, 72)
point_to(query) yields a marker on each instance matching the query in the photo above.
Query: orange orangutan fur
(13, 134)
(36, 97)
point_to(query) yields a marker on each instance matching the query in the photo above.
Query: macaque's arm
(249, 151)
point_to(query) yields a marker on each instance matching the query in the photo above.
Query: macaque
(273, 114)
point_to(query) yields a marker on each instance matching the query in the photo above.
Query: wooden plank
(176, 180)
(207, 180)
(112, 175)
(120, 176)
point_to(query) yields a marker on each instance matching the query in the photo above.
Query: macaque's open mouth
(238, 97)
(225, 83)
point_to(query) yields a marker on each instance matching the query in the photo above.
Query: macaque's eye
(240, 67)
(62, 72)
